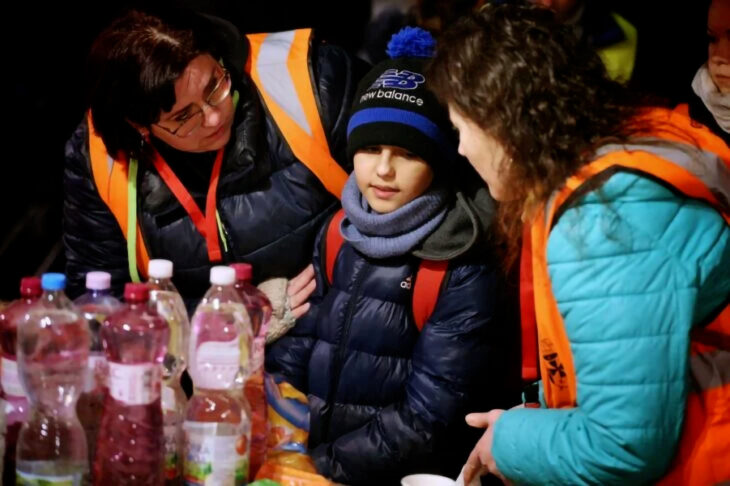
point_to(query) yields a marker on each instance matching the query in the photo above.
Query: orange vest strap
(282, 60)
(676, 126)
(429, 278)
(111, 179)
(678, 177)
(527, 311)
(683, 109)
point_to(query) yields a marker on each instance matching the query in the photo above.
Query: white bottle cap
(160, 268)
(98, 280)
(221, 275)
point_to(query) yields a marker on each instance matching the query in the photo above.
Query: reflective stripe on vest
(279, 66)
(119, 193)
(706, 177)
(289, 96)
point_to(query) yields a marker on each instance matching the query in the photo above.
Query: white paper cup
(426, 480)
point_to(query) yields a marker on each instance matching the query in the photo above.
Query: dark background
(46, 46)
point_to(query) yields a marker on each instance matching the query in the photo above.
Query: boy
(387, 393)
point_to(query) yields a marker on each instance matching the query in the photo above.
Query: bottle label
(216, 453)
(10, 379)
(217, 364)
(172, 460)
(137, 384)
(27, 479)
(96, 372)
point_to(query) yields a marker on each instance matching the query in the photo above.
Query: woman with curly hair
(625, 213)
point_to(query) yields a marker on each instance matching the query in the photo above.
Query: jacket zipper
(341, 348)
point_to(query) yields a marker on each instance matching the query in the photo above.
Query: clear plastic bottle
(53, 351)
(130, 447)
(169, 304)
(2, 434)
(95, 306)
(259, 312)
(11, 390)
(217, 422)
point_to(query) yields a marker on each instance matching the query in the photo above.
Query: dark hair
(530, 83)
(132, 69)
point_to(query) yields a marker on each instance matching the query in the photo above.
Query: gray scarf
(391, 234)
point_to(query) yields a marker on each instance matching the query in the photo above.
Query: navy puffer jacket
(270, 204)
(385, 399)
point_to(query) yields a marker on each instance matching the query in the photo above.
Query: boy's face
(390, 177)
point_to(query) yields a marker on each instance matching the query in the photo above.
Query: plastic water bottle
(130, 448)
(259, 312)
(170, 306)
(2, 434)
(53, 350)
(217, 424)
(11, 391)
(94, 306)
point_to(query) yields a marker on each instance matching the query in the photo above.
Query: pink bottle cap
(244, 271)
(30, 287)
(136, 292)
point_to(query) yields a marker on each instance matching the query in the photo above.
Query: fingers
(480, 420)
(300, 281)
(298, 312)
(473, 467)
(302, 296)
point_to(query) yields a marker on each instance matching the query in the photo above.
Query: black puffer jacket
(387, 400)
(270, 204)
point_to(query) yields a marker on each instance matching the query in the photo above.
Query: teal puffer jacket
(634, 266)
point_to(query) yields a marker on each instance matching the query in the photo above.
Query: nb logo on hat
(393, 78)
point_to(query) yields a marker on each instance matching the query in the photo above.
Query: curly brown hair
(531, 84)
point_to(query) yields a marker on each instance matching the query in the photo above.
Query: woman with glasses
(203, 147)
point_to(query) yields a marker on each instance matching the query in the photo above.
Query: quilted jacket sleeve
(92, 237)
(288, 356)
(439, 386)
(631, 278)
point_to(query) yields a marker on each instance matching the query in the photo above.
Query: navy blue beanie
(393, 106)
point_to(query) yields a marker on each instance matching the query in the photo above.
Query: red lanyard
(207, 225)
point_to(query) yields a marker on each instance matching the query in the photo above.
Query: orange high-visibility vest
(703, 455)
(279, 66)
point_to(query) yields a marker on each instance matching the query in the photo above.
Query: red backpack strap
(528, 319)
(426, 290)
(333, 243)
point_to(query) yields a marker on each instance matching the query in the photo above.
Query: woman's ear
(144, 132)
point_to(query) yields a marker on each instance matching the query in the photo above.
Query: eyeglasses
(190, 120)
